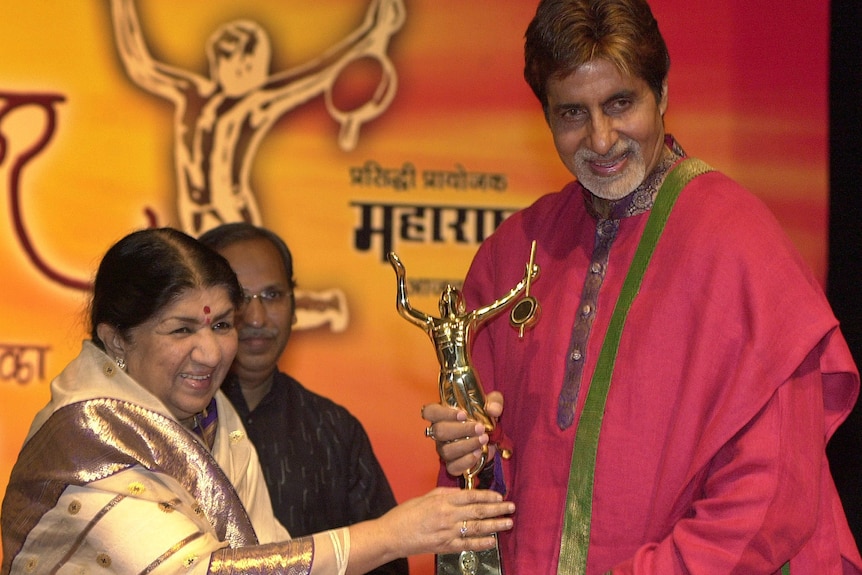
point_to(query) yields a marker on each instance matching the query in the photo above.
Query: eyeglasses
(266, 297)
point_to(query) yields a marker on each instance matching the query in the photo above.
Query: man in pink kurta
(731, 376)
(731, 372)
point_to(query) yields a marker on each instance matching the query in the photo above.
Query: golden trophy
(459, 384)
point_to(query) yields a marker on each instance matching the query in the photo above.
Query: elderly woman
(139, 465)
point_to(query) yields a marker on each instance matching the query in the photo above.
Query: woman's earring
(121, 363)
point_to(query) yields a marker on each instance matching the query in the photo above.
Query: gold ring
(464, 529)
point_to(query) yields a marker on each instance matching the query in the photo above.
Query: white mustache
(620, 149)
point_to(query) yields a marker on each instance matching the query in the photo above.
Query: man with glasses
(317, 459)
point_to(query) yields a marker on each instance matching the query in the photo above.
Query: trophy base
(471, 562)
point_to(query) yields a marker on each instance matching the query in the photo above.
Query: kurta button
(103, 560)
(74, 507)
(109, 368)
(31, 564)
(586, 309)
(576, 355)
(236, 436)
(596, 268)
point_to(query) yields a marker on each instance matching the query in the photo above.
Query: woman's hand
(448, 520)
(445, 520)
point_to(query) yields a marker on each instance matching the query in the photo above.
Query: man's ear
(662, 104)
(115, 345)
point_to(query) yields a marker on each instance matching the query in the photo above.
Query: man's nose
(603, 134)
(253, 313)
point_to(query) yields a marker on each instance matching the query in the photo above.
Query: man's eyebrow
(569, 106)
(627, 94)
(275, 286)
(624, 94)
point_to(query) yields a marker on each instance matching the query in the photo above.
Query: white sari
(109, 478)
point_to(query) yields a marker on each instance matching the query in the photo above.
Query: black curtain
(844, 281)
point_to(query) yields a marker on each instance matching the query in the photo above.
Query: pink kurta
(731, 376)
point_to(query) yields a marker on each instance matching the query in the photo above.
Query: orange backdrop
(747, 94)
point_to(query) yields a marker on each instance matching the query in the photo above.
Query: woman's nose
(208, 350)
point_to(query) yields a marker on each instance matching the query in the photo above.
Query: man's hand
(459, 440)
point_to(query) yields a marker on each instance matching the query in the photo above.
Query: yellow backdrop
(87, 155)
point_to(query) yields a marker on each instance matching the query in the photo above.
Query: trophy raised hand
(459, 384)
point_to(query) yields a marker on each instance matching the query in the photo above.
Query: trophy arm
(402, 302)
(492, 309)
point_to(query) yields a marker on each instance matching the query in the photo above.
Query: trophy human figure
(451, 334)
(459, 383)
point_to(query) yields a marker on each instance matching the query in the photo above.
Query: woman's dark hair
(149, 269)
(566, 34)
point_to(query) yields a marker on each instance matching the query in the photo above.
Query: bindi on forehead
(207, 317)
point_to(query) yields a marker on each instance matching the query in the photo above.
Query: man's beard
(619, 185)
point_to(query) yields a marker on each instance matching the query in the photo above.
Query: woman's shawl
(108, 477)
